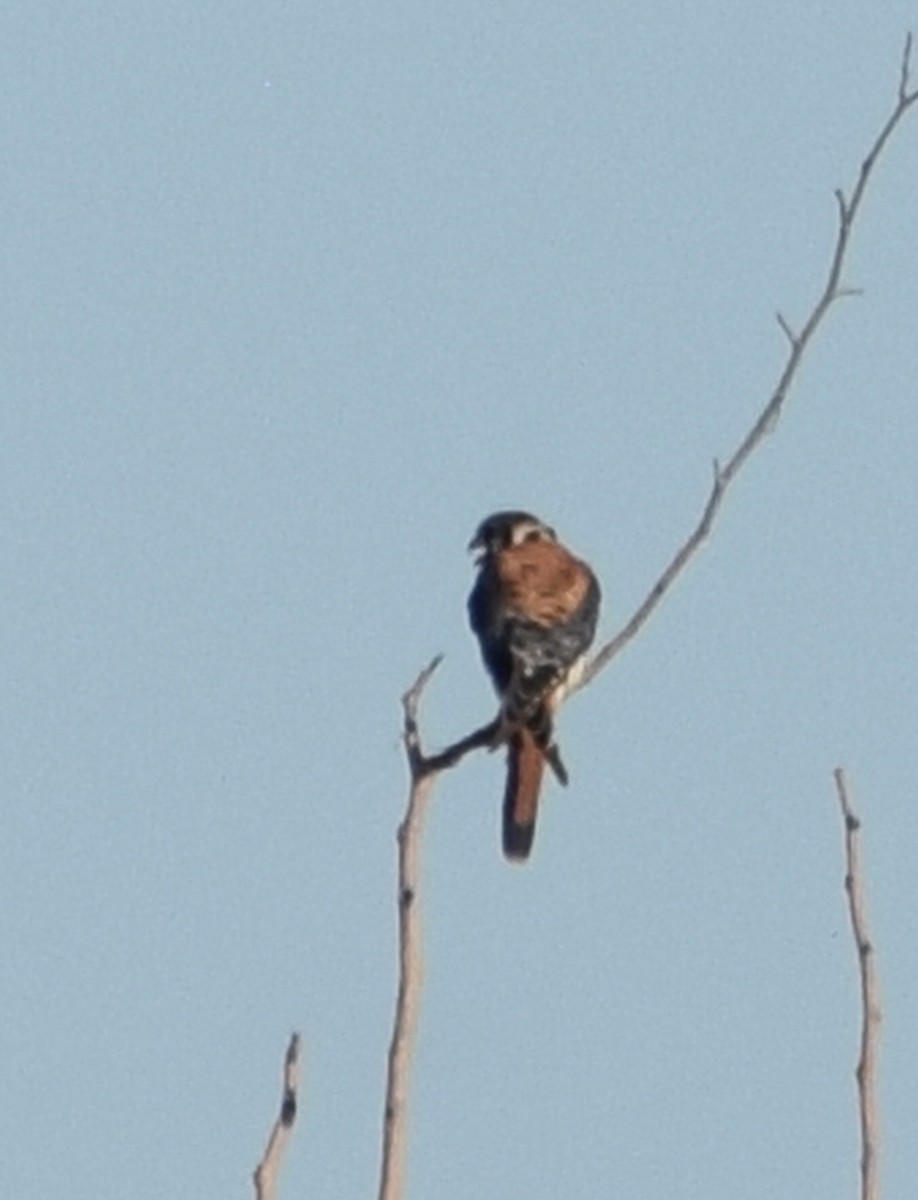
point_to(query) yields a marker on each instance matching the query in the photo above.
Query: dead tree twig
(724, 474)
(410, 970)
(871, 1016)
(265, 1176)
(768, 418)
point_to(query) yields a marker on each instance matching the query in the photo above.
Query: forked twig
(871, 1016)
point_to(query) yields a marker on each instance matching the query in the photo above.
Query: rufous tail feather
(525, 766)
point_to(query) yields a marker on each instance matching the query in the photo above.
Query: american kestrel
(533, 609)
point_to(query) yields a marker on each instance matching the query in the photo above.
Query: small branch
(421, 764)
(848, 210)
(788, 332)
(410, 971)
(871, 1016)
(484, 738)
(843, 293)
(265, 1176)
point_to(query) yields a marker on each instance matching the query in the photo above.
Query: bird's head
(504, 529)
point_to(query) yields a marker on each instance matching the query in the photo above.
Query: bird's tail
(525, 766)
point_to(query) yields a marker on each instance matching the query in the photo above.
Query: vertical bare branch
(870, 1002)
(265, 1176)
(410, 972)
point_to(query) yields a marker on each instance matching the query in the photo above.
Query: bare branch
(265, 1176)
(848, 210)
(421, 764)
(844, 292)
(788, 332)
(410, 973)
(489, 736)
(870, 1002)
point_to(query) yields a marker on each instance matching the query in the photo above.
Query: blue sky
(294, 296)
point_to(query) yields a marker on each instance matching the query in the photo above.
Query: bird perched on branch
(533, 609)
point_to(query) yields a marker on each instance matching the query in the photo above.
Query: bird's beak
(475, 544)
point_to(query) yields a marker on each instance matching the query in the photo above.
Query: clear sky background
(293, 296)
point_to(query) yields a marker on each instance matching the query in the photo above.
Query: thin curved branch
(487, 736)
(265, 1175)
(768, 418)
(871, 1015)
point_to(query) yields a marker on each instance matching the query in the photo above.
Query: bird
(533, 608)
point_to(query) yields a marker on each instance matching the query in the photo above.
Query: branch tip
(412, 697)
(906, 70)
(265, 1175)
(293, 1051)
